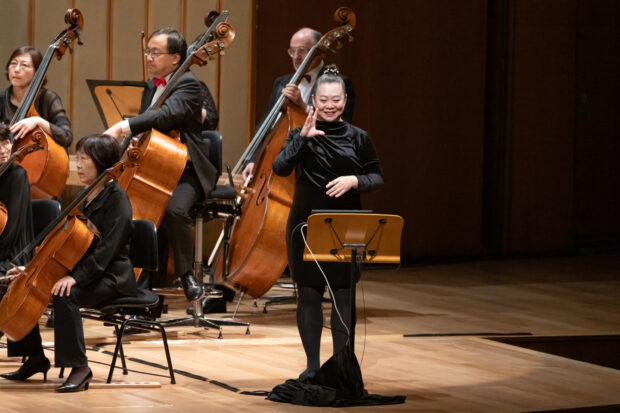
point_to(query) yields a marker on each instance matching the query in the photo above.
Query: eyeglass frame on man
(301, 50)
(154, 53)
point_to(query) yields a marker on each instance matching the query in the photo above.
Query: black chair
(44, 211)
(141, 311)
(219, 205)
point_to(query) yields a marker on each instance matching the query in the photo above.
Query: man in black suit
(301, 95)
(166, 50)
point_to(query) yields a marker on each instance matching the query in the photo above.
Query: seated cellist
(15, 195)
(103, 273)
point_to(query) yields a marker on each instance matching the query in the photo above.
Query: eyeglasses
(14, 64)
(302, 51)
(154, 53)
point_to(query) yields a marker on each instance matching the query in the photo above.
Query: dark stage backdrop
(472, 108)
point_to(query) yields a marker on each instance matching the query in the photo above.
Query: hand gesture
(26, 125)
(309, 129)
(63, 286)
(341, 185)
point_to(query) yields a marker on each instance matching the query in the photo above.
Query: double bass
(48, 169)
(17, 156)
(62, 244)
(161, 158)
(256, 255)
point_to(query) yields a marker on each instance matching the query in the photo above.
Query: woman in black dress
(103, 273)
(334, 162)
(15, 195)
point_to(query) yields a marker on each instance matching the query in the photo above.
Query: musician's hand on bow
(293, 94)
(341, 185)
(309, 129)
(14, 272)
(63, 286)
(248, 171)
(27, 125)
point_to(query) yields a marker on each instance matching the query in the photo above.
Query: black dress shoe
(68, 387)
(28, 369)
(210, 305)
(192, 289)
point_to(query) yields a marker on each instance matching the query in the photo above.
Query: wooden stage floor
(417, 336)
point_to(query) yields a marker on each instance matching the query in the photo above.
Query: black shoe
(28, 369)
(307, 375)
(68, 387)
(210, 305)
(192, 289)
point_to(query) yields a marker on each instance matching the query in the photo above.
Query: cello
(64, 241)
(256, 255)
(17, 156)
(48, 169)
(162, 159)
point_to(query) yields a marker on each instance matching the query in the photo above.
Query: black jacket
(182, 111)
(108, 256)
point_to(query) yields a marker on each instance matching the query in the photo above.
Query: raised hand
(309, 129)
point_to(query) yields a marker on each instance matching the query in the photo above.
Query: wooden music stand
(355, 237)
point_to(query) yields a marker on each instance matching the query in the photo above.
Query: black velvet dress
(15, 194)
(343, 150)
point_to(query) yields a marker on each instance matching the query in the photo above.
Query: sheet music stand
(355, 237)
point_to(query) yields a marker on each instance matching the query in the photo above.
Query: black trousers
(69, 347)
(175, 230)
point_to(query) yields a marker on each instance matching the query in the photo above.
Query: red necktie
(159, 81)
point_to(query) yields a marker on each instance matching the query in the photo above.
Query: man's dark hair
(175, 42)
(5, 133)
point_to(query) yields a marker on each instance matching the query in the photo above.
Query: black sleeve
(208, 104)
(19, 219)
(371, 178)
(289, 156)
(51, 109)
(178, 108)
(115, 231)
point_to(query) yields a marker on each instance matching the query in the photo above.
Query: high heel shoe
(28, 369)
(68, 387)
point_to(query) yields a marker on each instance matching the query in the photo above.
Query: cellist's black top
(15, 195)
(108, 256)
(49, 107)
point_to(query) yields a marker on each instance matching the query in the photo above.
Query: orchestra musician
(104, 272)
(20, 69)
(300, 95)
(15, 195)
(166, 50)
(334, 162)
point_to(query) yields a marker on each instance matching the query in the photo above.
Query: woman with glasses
(334, 162)
(20, 69)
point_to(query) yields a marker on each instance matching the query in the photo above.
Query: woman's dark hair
(330, 75)
(103, 149)
(35, 55)
(175, 41)
(5, 133)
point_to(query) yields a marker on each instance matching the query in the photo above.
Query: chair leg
(122, 353)
(119, 337)
(62, 373)
(168, 358)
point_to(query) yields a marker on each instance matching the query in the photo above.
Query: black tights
(310, 321)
